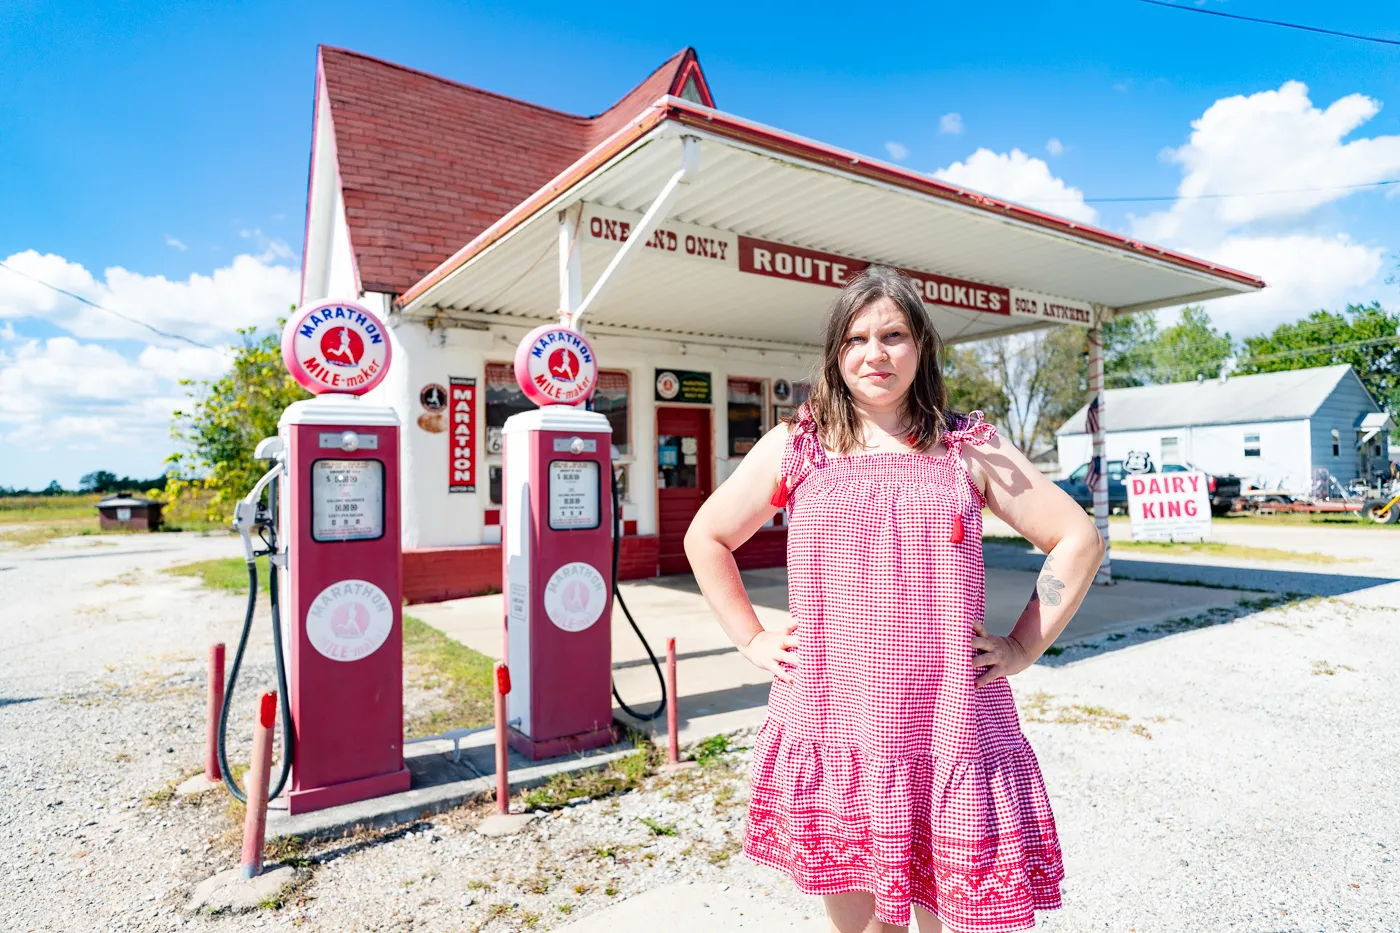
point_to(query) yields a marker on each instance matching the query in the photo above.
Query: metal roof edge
(674, 109)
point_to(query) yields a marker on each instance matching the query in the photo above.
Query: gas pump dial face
(347, 500)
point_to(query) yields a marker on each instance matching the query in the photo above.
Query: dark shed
(130, 512)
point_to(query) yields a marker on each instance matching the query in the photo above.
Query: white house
(1273, 430)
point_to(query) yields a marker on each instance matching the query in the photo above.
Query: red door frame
(672, 559)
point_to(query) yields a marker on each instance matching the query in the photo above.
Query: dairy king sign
(461, 445)
(1168, 506)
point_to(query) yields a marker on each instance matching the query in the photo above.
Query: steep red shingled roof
(426, 164)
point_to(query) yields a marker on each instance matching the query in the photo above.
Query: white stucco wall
(433, 517)
(1284, 460)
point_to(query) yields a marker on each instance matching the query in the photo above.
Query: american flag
(1091, 425)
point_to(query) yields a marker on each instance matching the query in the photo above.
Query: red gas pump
(335, 517)
(557, 551)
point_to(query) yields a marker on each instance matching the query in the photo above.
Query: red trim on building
(690, 68)
(434, 574)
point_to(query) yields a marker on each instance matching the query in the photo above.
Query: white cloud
(7, 332)
(185, 362)
(1017, 177)
(1054, 146)
(896, 150)
(250, 291)
(172, 242)
(1277, 141)
(1304, 271)
(950, 123)
(1272, 141)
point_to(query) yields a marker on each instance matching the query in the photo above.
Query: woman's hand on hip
(1001, 655)
(768, 650)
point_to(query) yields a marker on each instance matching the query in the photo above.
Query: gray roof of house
(124, 501)
(1282, 396)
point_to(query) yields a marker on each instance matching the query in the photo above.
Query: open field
(26, 521)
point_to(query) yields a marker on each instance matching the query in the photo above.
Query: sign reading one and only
(752, 256)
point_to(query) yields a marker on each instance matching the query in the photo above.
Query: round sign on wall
(336, 346)
(668, 384)
(349, 620)
(556, 366)
(575, 596)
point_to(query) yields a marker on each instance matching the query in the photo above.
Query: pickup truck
(1223, 489)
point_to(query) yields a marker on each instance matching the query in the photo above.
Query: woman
(891, 771)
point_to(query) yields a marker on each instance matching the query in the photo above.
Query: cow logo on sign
(336, 346)
(555, 365)
(1137, 461)
(349, 620)
(575, 596)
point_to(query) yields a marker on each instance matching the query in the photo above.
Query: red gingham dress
(883, 769)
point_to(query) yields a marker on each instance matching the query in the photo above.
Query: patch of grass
(564, 908)
(228, 574)
(1054, 650)
(476, 884)
(710, 750)
(1038, 707)
(537, 884)
(529, 919)
(610, 891)
(166, 793)
(1222, 549)
(659, 829)
(461, 677)
(623, 774)
(289, 850)
(1327, 668)
(582, 889)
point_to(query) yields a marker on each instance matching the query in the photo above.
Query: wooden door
(684, 471)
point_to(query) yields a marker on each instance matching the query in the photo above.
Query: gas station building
(697, 249)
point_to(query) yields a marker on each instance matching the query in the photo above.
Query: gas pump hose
(617, 594)
(284, 700)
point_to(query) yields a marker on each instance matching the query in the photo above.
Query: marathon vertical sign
(461, 467)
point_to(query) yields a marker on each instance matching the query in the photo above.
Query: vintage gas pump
(337, 522)
(557, 551)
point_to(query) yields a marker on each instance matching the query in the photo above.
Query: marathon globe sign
(555, 365)
(336, 346)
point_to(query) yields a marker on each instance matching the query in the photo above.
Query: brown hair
(925, 405)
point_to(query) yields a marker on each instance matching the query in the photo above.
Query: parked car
(1223, 489)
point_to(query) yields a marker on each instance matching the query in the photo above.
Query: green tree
(971, 385)
(1127, 342)
(98, 481)
(1365, 336)
(227, 418)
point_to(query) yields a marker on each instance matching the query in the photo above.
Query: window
(1078, 475)
(1115, 470)
(745, 415)
(1336, 443)
(1171, 449)
(503, 399)
(612, 398)
(1251, 444)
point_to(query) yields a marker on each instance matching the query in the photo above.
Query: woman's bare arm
(737, 509)
(1047, 517)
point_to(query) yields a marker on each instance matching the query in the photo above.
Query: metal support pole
(570, 262)
(502, 745)
(673, 740)
(259, 774)
(637, 237)
(1096, 408)
(214, 695)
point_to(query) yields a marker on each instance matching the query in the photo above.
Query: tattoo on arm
(1047, 586)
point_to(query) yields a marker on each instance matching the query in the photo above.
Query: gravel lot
(1236, 777)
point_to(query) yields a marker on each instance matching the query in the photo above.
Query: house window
(1171, 450)
(612, 398)
(1336, 443)
(745, 415)
(503, 399)
(1251, 445)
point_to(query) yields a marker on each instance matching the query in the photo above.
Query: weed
(564, 908)
(659, 829)
(529, 919)
(1140, 729)
(289, 850)
(610, 891)
(582, 889)
(476, 884)
(537, 884)
(711, 750)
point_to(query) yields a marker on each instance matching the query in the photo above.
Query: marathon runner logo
(336, 346)
(556, 366)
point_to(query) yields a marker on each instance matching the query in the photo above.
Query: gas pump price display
(573, 494)
(347, 500)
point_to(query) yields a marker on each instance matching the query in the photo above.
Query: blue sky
(170, 143)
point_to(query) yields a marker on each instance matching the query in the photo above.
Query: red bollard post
(502, 746)
(259, 775)
(673, 750)
(215, 695)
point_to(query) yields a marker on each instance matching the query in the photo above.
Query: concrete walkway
(720, 691)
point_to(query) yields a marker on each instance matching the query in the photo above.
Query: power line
(124, 317)
(1272, 22)
(1249, 194)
